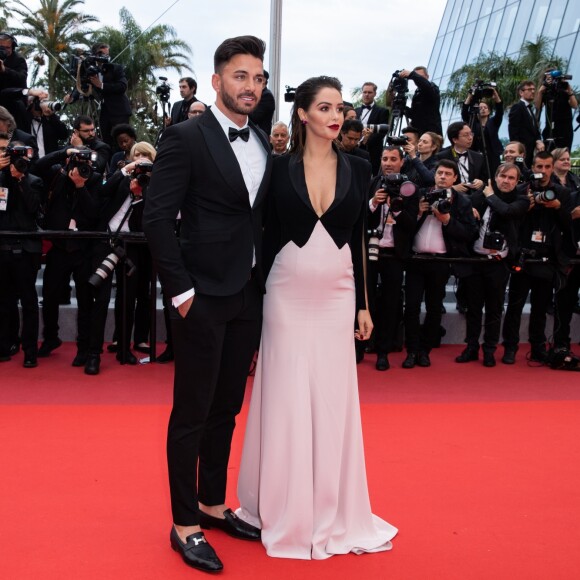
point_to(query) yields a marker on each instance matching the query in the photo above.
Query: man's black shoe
(80, 360)
(30, 361)
(382, 363)
(539, 355)
(467, 355)
(231, 525)
(410, 361)
(48, 346)
(509, 357)
(423, 359)
(488, 359)
(166, 356)
(4, 357)
(93, 364)
(113, 347)
(130, 358)
(196, 551)
(14, 349)
(360, 354)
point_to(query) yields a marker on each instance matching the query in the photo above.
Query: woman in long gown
(302, 478)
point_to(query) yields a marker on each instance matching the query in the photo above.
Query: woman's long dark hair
(305, 95)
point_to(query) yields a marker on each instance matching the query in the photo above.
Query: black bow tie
(368, 107)
(244, 134)
(461, 154)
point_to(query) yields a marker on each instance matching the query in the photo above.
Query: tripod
(473, 117)
(165, 115)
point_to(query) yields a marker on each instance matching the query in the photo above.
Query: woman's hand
(365, 325)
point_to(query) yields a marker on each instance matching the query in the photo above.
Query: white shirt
(251, 157)
(429, 239)
(478, 246)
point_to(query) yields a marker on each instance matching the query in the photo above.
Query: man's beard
(232, 105)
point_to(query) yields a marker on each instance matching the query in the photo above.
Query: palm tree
(507, 72)
(54, 29)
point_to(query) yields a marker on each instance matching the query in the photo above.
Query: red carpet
(479, 468)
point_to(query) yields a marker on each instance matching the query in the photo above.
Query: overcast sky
(354, 41)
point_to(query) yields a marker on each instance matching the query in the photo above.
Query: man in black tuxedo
(187, 90)
(214, 169)
(45, 125)
(264, 112)
(372, 114)
(523, 123)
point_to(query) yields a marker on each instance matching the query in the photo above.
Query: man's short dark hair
(239, 45)
(448, 164)
(82, 120)
(98, 46)
(191, 83)
(394, 148)
(413, 130)
(123, 129)
(525, 84)
(454, 129)
(352, 125)
(542, 155)
(507, 167)
(375, 88)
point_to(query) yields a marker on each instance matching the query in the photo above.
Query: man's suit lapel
(222, 153)
(266, 179)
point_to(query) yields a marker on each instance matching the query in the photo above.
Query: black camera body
(163, 91)
(482, 90)
(290, 94)
(398, 187)
(142, 173)
(86, 65)
(398, 83)
(555, 82)
(20, 156)
(83, 160)
(439, 199)
(3, 54)
(397, 141)
(493, 241)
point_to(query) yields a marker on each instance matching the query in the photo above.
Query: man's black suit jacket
(54, 131)
(196, 172)
(179, 110)
(264, 112)
(477, 167)
(114, 100)
(374, 144)
(524, 128)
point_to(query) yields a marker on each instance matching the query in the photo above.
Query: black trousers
(18, 282)
(213, 345)
(59, 267)
(386, 304)
(521, 284)
(424, 279)
(566, 300)
(485, 288)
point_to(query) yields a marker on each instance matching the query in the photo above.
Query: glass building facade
(473, 27)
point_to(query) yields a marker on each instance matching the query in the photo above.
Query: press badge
(538, 236)
(3, 198)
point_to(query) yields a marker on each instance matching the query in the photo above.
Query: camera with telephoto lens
(108, 265)
(53, 106)
(482, 90)
(555, 81)
(163, 91)
(373, 245)
(439, 199)
(398, 83)
(539, 192)
(397, 141)
(20, 157)
(83, 160)
(85, 65)
(397, 186)
(381, 129)
(493, 241)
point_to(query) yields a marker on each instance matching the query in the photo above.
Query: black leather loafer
(488, 359)
(48, 346)
(196, 551)
(410, 361)
(80, 360)
(467, 355)
(423, 359)
(130, 359)
(509, 357)
(30, 361)
(231, 524)
(93, 364)
(113, 347)
(166, 356)
(382, 363)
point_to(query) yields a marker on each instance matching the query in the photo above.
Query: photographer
(124, 193)
(515, 152)
(187, 90)
(472, 170)
(350, 138)
(13, 75)
(20, 195)
(541, 236)
(124, 137)
(85, 135)
(393, 210)
(44, 124)
(500, 208)
(424, 113)
(421, 175)
(559, 100)
(369, 113)
(8, 125)
(485, 127)
(72, 203)
(446, 227)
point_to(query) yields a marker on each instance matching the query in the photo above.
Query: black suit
(197, 172)
(374, 144)
(180, 109)
(523, 127)
(425, 105)
(476, 163)
(264, 112)
(54, 131)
